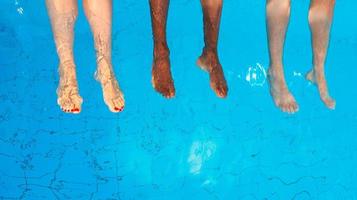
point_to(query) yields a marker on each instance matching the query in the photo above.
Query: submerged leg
(209, 60)
(63, 14)
(99, 15)
(278, 14)
(161, 73)
(320, 17)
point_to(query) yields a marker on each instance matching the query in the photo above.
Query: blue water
(195, 146)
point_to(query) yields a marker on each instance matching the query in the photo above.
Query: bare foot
(209, 62)
(161, 76)
(320, 82)
(113, 96)
(68, 97)
(280, 93)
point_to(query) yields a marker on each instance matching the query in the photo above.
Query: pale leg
(63, 14)
(99, 15)
(278, 14)
(320, 17)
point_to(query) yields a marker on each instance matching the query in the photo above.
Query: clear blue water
(195, 146)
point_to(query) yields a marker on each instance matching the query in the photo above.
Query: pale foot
(113, 96)
(161, 79)
(67, 92)
(209, 62)
(283, 99)
(321, 84)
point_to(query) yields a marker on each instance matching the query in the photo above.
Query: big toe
(293, 107)
(118, 104)
(284, 107)
(329, 102)
(290, 107)
(219, 85)
(221, 90)
(166, 89)
(168, 92)
(70, 108)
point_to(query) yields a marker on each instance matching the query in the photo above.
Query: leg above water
(63, 14)
(320, 17)
(209, 60)
(161, 71)
(278, 14)
(99, 15)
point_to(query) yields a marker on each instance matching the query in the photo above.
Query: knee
(278, 7)
(321, 13)
(212, 3)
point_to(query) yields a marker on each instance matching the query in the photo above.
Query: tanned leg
(278, 14)
(161, 73)
(99, 15)
(320, 17)
(209, 60)
(63, 14)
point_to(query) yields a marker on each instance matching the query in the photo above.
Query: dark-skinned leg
(209, 60)
(161, 73)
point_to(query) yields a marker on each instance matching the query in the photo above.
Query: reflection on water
(256, 75)
(200, 152)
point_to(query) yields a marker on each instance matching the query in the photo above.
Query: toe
(222, 91)
(112, 107)
(118, 105)
(170, 93)
(292, 109)
(167, 90)
(330, 103)
(219, 89)
(76, 110)
(284, 108)
(288, 109)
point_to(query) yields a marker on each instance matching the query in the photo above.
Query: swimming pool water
(195, 146)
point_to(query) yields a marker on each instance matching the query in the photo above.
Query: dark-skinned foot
(161, 76)
(209, 62)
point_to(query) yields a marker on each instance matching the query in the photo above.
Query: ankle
(67, 63)
(161, 50)
(318, 74)
(210, 54)
(210, 51)
(275, 71)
